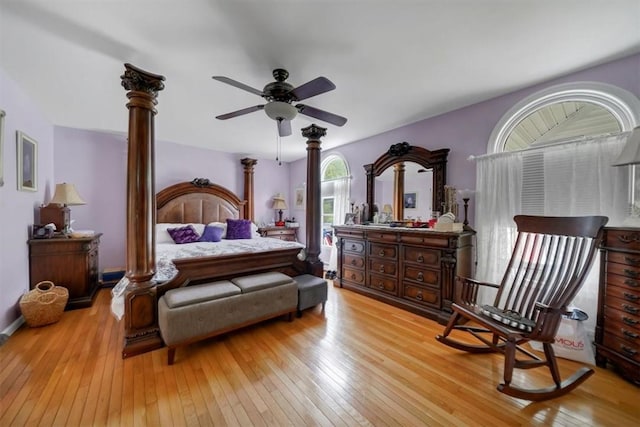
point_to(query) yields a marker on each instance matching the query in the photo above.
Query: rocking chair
(549, 263)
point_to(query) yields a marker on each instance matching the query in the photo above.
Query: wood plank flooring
(362, 363)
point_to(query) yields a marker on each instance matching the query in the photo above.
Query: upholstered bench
(193, 313)
(312, 290)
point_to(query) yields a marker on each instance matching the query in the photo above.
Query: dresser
(68, 262)
(283, 233)
(618, 323)
(413, 269)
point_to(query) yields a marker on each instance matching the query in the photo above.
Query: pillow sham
(211, 233)
(186, 234)
(238, 229)
(163, 236)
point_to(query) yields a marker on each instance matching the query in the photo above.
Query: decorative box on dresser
(413, 269)
(283, 233)
(618, 323)
(68, 262)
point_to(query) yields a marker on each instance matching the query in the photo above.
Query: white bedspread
(166, 252)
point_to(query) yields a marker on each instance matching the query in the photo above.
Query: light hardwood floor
(362, 363)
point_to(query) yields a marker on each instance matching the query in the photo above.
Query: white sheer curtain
(340, 205)
(569, 179)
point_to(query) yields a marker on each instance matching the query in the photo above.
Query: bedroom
(96, 161)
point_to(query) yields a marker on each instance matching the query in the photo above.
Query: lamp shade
(631, 152)
(66, 194)
(278, 202)
(278, 110)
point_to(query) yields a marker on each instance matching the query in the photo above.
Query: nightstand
(68, 262)
(289, 234)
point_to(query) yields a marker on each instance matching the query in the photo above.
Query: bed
(198, 201)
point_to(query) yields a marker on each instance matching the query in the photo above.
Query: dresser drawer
(623, 293)
(355, 276)
(623, 239)
(422, 275)
(619, 318)
(382, 236)
(422, 295)
(618, 280)
(622, 346)
(379, 250)
(630, 335)
(422, 256)
(354, 261)
(427, 239)
(355, 246)
(624, 306)
(632, 260)
(377, 265)
(627, 271)
(384, 284)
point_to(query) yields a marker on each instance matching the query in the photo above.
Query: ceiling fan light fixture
(278, 110)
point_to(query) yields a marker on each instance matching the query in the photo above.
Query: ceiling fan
(280, 96)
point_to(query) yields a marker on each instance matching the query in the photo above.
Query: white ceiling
(394, 62)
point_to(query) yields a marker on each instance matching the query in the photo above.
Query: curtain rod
(568, 141)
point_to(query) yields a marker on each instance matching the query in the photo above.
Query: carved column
(313, 134)
(398, 191)
(249, 165)
(141, 325)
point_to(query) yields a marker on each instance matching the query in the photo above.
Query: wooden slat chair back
(549, 263)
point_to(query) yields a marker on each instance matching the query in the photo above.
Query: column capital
(136, 79)
(314, 132)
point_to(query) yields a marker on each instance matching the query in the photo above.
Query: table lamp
(279, 204)
(66, 195)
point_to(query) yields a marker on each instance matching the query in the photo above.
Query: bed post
(141, 332)
(248, 187)
(313, 134)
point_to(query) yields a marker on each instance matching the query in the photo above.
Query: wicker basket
(44, 304)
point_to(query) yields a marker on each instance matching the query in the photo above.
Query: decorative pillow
(163, 236)
(185, 234)
(238, 229)
(222, 225)
(211, 234)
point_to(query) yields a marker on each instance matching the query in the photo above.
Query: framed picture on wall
(2, 114)
(299, 198)
(27, 162)
(410, 200)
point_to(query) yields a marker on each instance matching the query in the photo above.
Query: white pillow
(163, 236)
(254, 230)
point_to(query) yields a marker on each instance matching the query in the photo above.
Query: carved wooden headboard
(198, 201)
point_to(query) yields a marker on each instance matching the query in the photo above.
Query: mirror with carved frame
(397, 156)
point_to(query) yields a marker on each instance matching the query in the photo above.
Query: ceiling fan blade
(284, 127)
(321, 115)
(312, 88)
(240, 112)
(237, 84)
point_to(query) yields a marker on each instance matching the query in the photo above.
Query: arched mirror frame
(405, 152)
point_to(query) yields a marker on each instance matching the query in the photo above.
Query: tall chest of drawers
(618, 323)
(413, 269)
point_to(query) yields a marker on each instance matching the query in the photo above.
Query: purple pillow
(211, 234)
(238, 229)
(186, 234)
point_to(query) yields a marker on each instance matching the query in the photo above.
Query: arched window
(334, 187)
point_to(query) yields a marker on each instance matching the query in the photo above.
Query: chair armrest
(466, 290)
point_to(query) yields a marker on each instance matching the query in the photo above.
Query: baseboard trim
(9, 330)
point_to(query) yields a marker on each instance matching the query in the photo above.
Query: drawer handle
(630, 309)
(419, 296)
(631, 297)
(420, 277)
(381, 253)
(632, 261)
(630, 334)
(631, 273)
(353, 262)
(353, 247)
(632, 283)
(629, 321)
(380, 285)
(629, 239)
(628, 351)
(381, 269)
(420, 258)
(353, 276)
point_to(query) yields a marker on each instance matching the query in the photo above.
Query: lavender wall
(465, 131)
(17, 208)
